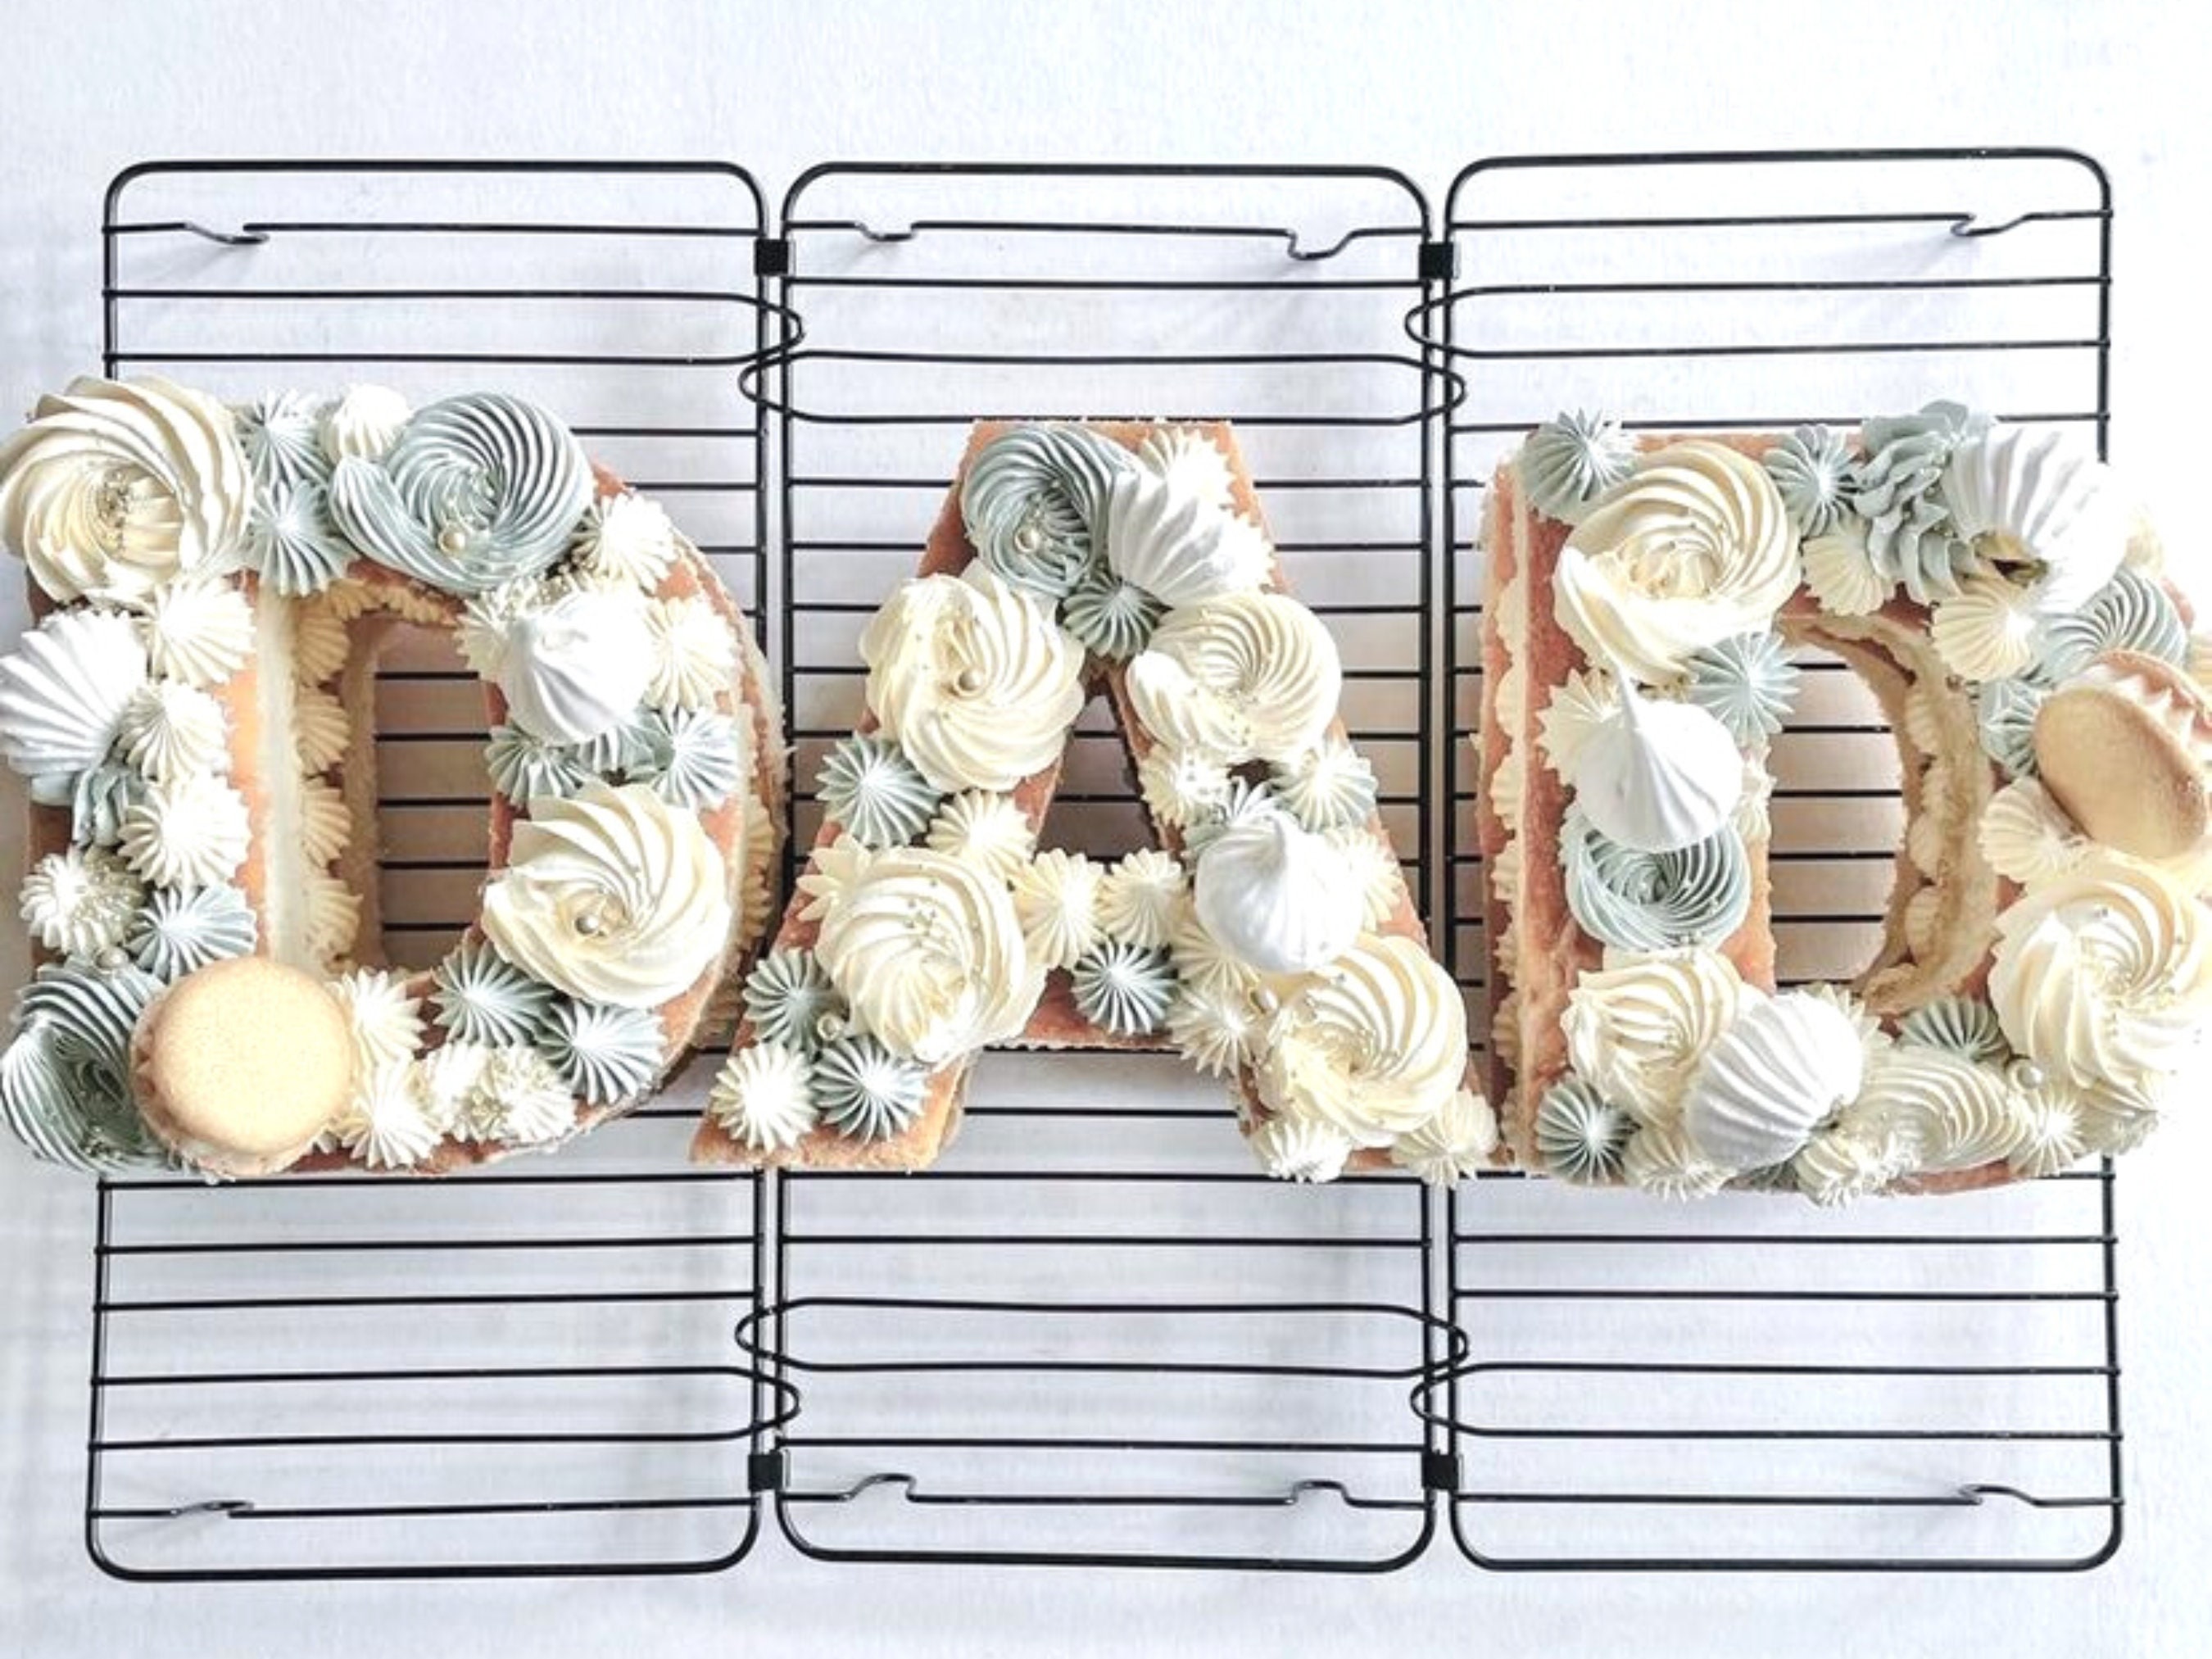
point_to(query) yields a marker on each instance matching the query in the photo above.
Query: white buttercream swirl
(927, 954)
(1374, 1045)
(115, 487)
(971, 676)
(614, 897)
(1692, 549)
(1243, 676)
(2103, 976)
(1639, 1031)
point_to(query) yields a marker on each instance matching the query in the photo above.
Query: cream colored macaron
(239, 1065)
(2126, 749)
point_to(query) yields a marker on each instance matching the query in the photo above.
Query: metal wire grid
(1093, 1335)
(527, 1371)
(1754, 1385)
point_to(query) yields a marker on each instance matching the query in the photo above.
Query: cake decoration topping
(1639, 900)
(1249, 675)
(1812, 467)
(1573, 459)
(1898, 490)
(1691, 548)
(1656, 777)
(2021, 495)
(117, 486)
(972, 679)
(476, 490)
(576, 668)
(762, 1097)
(1031, 499)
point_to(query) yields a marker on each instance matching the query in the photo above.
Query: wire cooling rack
(528, 1370)
(1095, 1333)
(1094, 1336)
(1750, 1383)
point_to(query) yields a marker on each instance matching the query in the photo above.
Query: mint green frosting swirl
(98, 799)
(1812, 467)
(1747, 683)
(869, 785)
(180, 929)
(65, 1080)
(292, 541)
(1572, 459)
(1580, 1134)
(1034, 503)
(478, 996)
(1124, 988)
(690, 757)
(790, 1000)
(477, 490)
(2131, 613)
(1636, 901)
(2006, 710)
(1957, 1025)
(1898, 488)
(281, 435)
(605, 1055)
(864, 1091)
(1110, 616)
(524, 766)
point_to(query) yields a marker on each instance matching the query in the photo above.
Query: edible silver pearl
(452, 539)
(970, 680)
(2026, 1074)
(1029, 538)
(111, 958)
(828, 1028)
(588, 926)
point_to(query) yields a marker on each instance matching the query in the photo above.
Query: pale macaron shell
(241, 1064)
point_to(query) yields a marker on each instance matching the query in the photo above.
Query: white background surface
(86, 89)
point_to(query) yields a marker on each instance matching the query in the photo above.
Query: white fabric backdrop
(86, 89)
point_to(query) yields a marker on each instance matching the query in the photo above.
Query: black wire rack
(525, 1371)
(1751, 1384)
(1095, 1333)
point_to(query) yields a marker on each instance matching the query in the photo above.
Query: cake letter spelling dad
(1267, 936)
(194, 711)
(2044, 976)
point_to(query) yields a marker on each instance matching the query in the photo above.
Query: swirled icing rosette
(2103, 976)
(927, 954)
(1374, 1045)
(1034, 502)
(1693, 547)
(475, 491)
(612, 896)
(1633, 901)
(973, 679)
(1244, 677)
(117, 486)
(1639, 1031)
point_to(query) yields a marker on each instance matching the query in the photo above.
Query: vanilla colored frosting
(927, 953)
(613, 896)
(970, 676)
